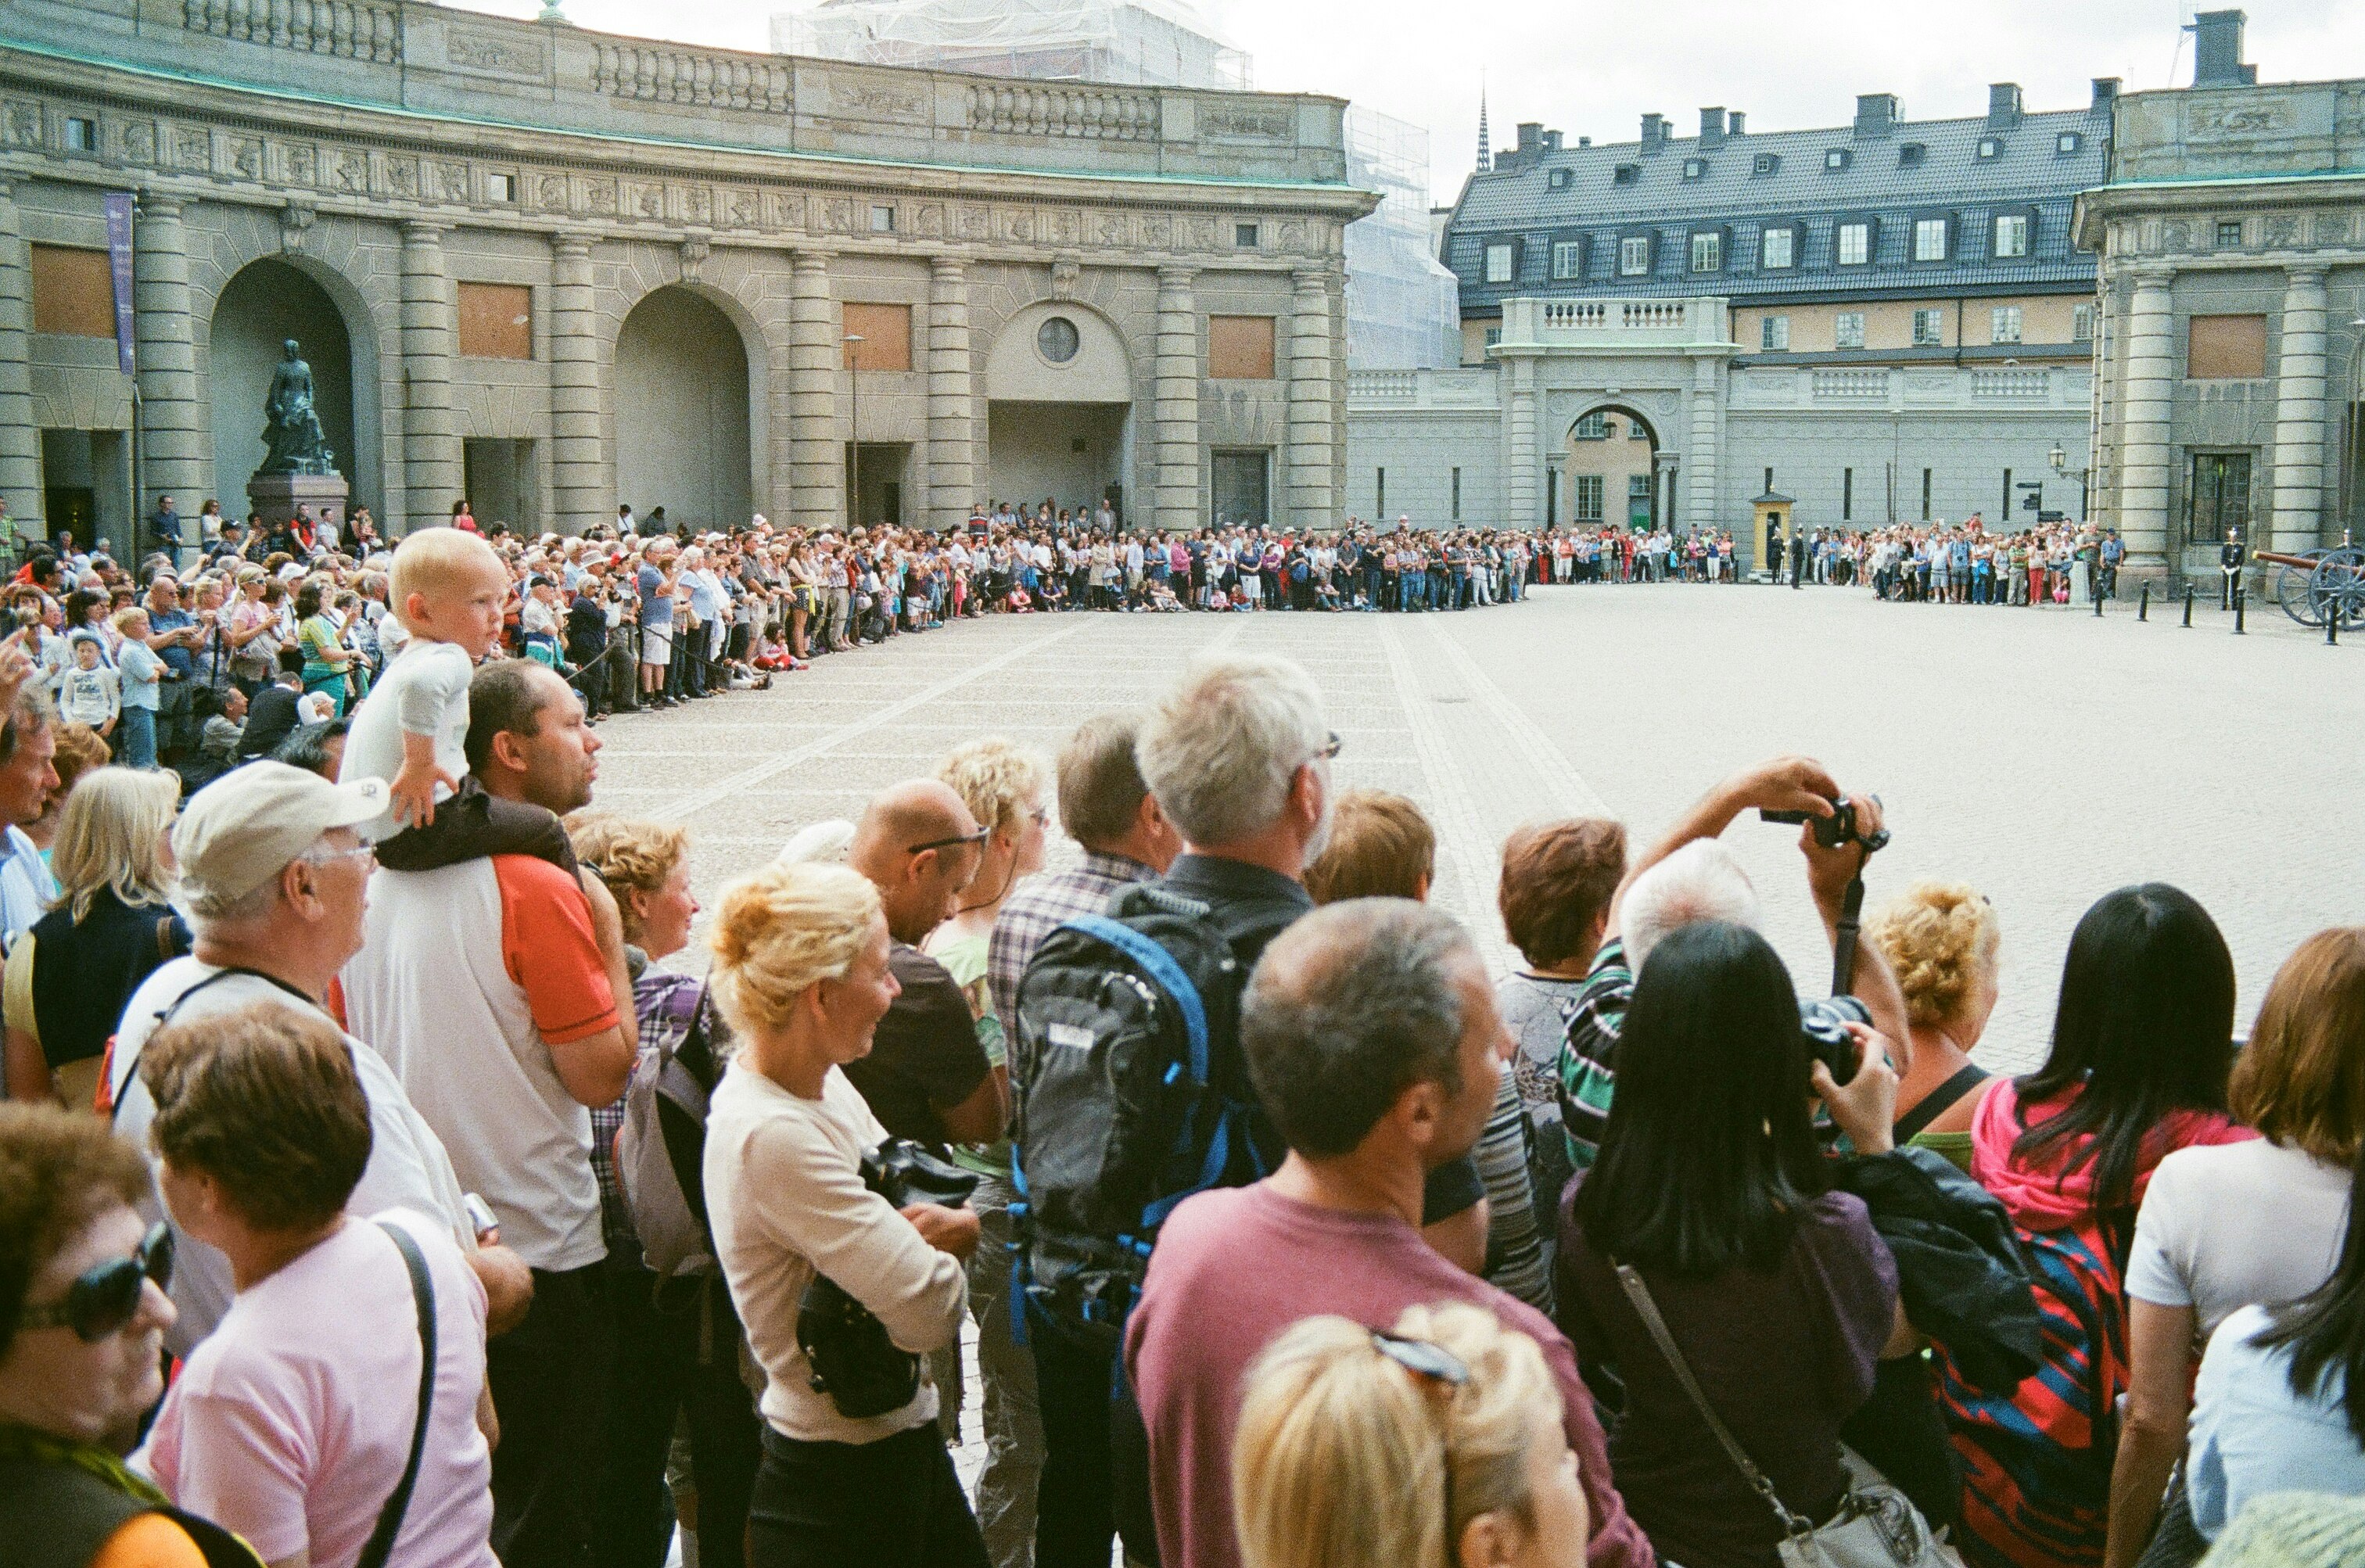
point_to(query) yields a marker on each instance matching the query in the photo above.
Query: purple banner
(118, 258)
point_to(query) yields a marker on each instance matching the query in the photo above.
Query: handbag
(854, 1361)
(1876, 1526)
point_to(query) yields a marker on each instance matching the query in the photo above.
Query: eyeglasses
(980, 836)
(1423, 1358)
(103, 1299)
(322, 856)
(1330, 749)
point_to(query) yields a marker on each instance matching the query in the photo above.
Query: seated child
(448, 590)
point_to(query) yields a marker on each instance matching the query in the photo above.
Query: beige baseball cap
(242, 828)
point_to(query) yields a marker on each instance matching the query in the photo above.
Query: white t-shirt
(2229, 1226)
(467, 977)
(292, 1424)
(424, 693)
(2251, 1435)
(407, 1167)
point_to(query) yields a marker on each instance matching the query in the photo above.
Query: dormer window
(1764, 164)
(1836, 159)
(1559, 179)
(1909, 154)
(1989, 147)
(1693, 168)
(2068, 142)
(1626, 173)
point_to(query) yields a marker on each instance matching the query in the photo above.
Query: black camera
(1835, 830)
(1825, 1022)
(864, 1373)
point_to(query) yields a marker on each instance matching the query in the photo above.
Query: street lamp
(854, 424)
(2060, 461)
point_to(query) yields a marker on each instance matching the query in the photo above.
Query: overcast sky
(1593, 70)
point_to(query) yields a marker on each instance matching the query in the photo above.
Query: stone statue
(291, 432)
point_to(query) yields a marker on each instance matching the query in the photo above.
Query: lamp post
(854, 424)
(2060, 461)
(2351, 437)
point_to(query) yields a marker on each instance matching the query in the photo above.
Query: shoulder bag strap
(1637, 1294)
(422, 1296)
(1938, 1102)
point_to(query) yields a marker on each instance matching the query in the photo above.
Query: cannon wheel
(2291, 589)
(2337, 587)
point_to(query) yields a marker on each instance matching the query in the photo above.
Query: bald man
(927, 1077)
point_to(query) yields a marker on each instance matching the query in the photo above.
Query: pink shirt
(291, 1423)
(1235, 1268)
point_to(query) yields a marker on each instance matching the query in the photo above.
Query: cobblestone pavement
(2044, 757)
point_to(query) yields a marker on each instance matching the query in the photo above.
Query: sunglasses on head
(103, 1298)
(980, 836)
(1423, 1358)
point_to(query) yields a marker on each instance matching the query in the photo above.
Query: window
(882, 219)
(1568, 258)
(1625, 174)
(1593, 427)
(2225, 348)
(1244, 236)
(1989, 148)
(2004, 324)
(2217, 502)
(1057, 339)
(1777, 248)
(1847, 330)
(1774, 333)
(1585, 492)
(1708, 253)
(1695, 168)
(1457, 495)
(2010, 234)
(1929, 239)
(1853, 244)
(1929, 327)
(496, 320)
(1240, 348)
(1764, 164)
(81, 134)
(2229, 232)
(2082, 324)
(1634, 255)
(1836, 159)
(1493, 336)
(1847, 495)
(500, 187)
(885, 335)
(2068, 142)
(1380, 488)
(1560, 178)
(1925, 495)
(1909, 154)
(1499, 263)
(1637, 431)
(74, 292)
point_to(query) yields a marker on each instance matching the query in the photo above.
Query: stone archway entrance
(267, 303)
(1059, 401)
(1610, 467)
(682, 412)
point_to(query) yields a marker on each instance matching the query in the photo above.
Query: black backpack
(1126, 1107)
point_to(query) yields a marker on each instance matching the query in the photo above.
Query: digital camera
(1824, 1022)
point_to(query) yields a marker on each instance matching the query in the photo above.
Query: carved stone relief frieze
(644, 200)
(299, 164)
(1018, 225)
(974, 222)
(600, 198)
(2176, 237)
(139, 141)
(24, 124)
(698, 204)
(193, 148)
(2283, 229)
(1157, 230)
(402, 176)
(834, 215)
(928, 222)
(448, 180)
(743, 209)
(1292, 235)
(788, 211)
(550, 194)
(1111, 229)
(878, 100)
(350, 173)
(491, 53)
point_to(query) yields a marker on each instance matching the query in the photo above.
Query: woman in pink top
(296, 1422)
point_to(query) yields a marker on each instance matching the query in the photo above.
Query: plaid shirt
(1034, 910)
(1595, 1020)
(659, 1028)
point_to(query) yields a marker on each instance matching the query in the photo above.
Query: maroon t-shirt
(1235, 1268)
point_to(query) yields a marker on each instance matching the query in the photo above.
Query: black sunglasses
(105, 1298)
(1422, 1357)
(980, 836)
(1330, 749)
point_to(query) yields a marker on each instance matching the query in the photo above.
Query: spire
(1485, 144)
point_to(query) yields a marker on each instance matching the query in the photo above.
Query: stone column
(2299, 416)
(578, 481)
(1310, 435)
(20, 443)
(1520, 486)
(952, 482)
(1700, 452)
(431, 469)
(2150, 359)
(1174, 406)
(817, 452)
(175, 453)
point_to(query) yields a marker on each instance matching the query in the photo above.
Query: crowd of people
(395, 1174)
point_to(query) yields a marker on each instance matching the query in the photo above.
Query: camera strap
(1851, 925)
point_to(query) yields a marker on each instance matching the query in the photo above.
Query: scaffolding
(1404, 307)
(1152, 43)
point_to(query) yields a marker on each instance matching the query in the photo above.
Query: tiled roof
(2027, 172)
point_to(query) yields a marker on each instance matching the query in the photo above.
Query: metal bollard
(2188, 604)
(2332, 626)
(2239, 598)
(2098, 604)
(2143, 607)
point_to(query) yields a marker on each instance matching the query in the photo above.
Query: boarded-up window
(2227, 348)
(885, 335)
(496, 320)
(1240, 348)
(74, 292)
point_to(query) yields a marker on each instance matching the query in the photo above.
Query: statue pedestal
(276, 497)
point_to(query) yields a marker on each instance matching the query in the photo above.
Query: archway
(1610, 470)
(1058, 388)
(682, 411)
(268, 302)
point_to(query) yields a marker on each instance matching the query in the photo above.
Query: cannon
(2314, 584)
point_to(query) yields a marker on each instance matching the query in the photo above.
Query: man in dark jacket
(271, 717)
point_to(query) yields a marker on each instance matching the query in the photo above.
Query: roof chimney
(1732, 123)
(1876, 114)
(1532, 135)
(2003, 106)
(2106, 93)
(1650, 124)
(1711, 128)
(1585, 141)
(1552, 141)
(2217, 50)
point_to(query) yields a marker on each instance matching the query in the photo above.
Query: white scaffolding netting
(1404, 307)
(1159, 43)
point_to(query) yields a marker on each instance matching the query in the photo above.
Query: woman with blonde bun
(1436, 1443)
(801, 975)
(1941, 941)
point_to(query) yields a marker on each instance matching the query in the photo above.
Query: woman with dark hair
(327, 660)
(2142, 1051)
(1711, 1189)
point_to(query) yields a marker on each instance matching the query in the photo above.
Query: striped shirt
(1587, 1080)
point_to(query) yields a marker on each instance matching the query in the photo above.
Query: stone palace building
(556, 271)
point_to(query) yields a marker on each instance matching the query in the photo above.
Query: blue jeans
(138, 731)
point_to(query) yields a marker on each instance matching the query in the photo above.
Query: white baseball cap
(241, 830)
